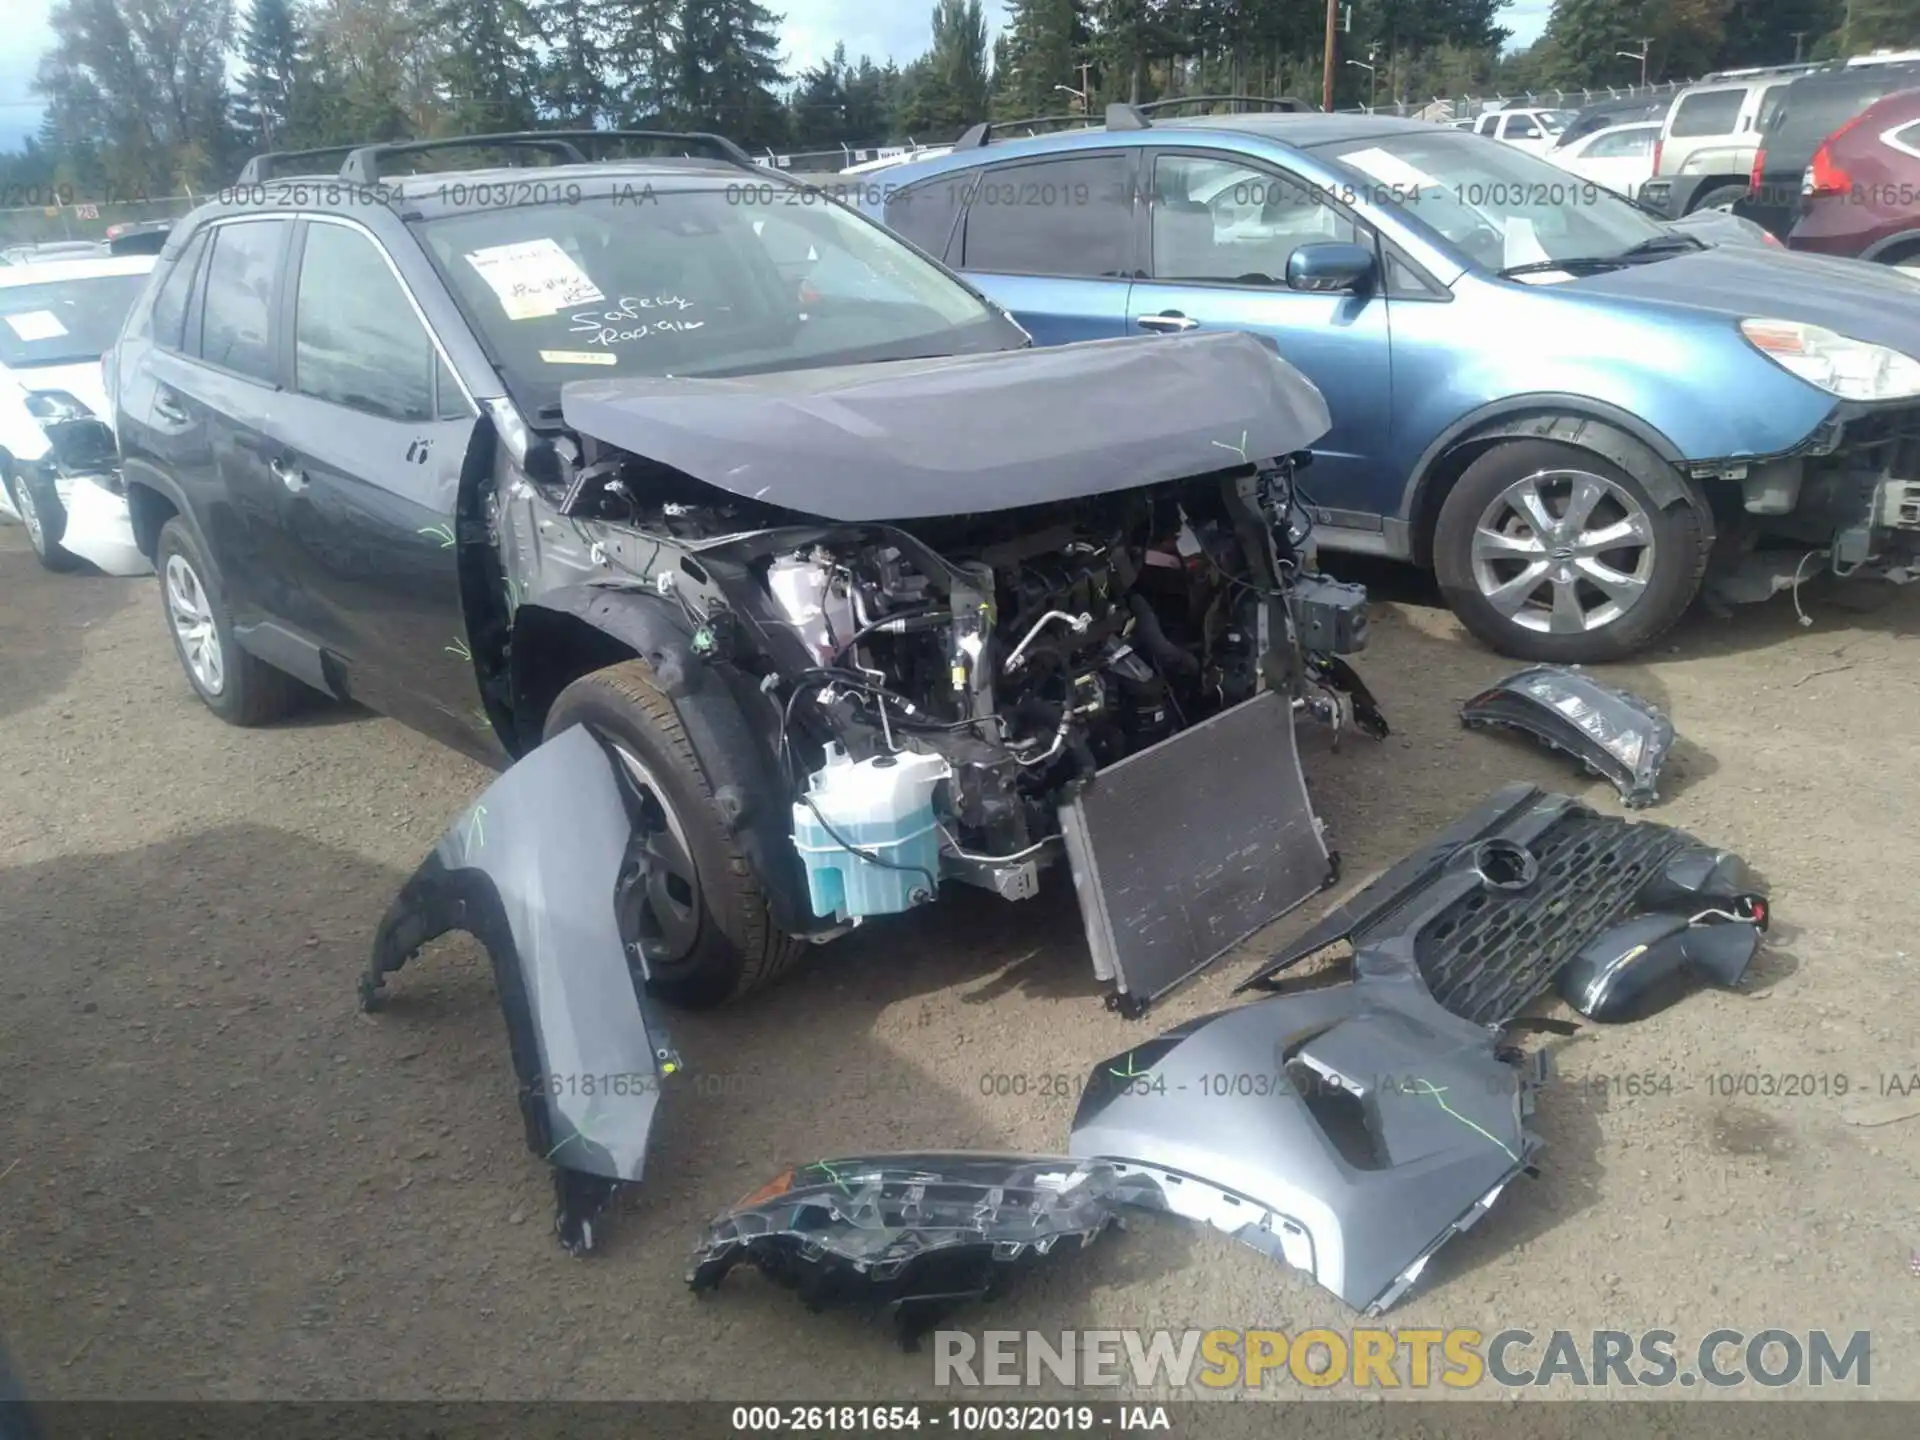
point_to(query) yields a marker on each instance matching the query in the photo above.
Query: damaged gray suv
(786, 578)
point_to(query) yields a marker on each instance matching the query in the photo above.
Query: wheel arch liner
(532, 871)
(739, 769)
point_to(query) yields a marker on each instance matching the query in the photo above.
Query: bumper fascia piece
(1349, 1132)
(99, 526)
(533, 871)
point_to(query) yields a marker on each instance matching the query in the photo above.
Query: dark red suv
(1860, 194)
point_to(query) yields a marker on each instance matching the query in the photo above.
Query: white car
(1619, 157)
(906, 155)
(1534, 131)
(59, 466)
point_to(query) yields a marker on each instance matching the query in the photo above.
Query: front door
(1221, 233)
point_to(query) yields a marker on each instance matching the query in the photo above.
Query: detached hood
(1875, 303)
(908, 439)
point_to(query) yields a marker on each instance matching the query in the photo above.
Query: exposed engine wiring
(1806, 621)
(1034, 848)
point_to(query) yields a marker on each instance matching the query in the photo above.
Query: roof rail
(1284, 103)
(362, 165)
(273, 162)
(976, 136)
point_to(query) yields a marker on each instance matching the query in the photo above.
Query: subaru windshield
(1499, 205)
(696, 280)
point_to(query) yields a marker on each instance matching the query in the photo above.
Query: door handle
(168, 408)
(1166, 323)
(288, 474)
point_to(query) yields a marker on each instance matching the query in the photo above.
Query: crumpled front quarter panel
(532, 870)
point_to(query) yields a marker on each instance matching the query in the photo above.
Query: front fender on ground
(532, 870)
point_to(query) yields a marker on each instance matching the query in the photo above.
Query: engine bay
(941, 688)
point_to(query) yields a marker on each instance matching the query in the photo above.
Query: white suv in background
(1531, 130)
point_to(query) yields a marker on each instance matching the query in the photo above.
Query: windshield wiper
(1658, 247)
(1573, 265)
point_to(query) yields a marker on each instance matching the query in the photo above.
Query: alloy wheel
(1564, 552)
(192, 616)
(660, 896)
(30, 517)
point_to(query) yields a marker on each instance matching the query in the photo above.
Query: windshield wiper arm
(1573, 264)
(1657, 246)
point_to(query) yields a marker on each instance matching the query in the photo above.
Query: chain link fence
(69, 215)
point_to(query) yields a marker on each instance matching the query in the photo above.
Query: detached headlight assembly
(1851, 369)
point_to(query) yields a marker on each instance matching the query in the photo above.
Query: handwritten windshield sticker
(636, 318)
(579, 357)
(533, 278)
(36, 325)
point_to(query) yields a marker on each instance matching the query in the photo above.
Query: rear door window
(169, 319)
(236, 332)
(1707, 112)
(1521, 127)
(1625, 145)
(924, 213)
(1070, 216)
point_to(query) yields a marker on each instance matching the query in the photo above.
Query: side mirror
(1330, 267)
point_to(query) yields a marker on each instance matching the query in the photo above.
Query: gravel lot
(218, 1180)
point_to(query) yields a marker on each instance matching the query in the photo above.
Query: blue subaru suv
(1572, 411)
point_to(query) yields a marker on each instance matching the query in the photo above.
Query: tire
(240, 688)
(40, 510)
(1484, 554)
(1718, 198)
(702, 926)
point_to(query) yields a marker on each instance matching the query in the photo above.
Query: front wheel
(1547, 552)
(691, 909)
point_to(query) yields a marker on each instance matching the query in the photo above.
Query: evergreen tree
(725, 65)
(487, 70)
(1047, 40)
(270, 68)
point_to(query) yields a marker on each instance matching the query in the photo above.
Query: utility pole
(1799, 40)
(1646, 46)
(1326, 75)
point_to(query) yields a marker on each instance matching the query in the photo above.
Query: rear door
(199, 410)
(1052, 240)
(1221, 229)
(369, 445)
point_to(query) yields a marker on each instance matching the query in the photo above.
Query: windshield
(63, 322)
(1499, 205)
(754, 277)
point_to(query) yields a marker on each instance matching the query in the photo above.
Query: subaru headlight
(1851, 369)
(55, 405)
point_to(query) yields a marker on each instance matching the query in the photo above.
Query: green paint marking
(1129, 1073)
(442, 532)
(459, 648)
(1240, 449)
(833, 1175)
(1437, 1091)
(476, 827)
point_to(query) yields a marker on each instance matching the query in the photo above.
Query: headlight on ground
(1851, 369)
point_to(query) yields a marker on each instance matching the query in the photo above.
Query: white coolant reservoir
(882, 806)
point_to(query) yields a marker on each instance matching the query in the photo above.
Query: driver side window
(1221, 220)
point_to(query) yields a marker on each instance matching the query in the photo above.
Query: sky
(898, 30)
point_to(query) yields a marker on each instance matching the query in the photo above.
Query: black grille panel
(1491, 951)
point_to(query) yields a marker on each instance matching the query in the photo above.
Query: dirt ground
(218, 1180)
